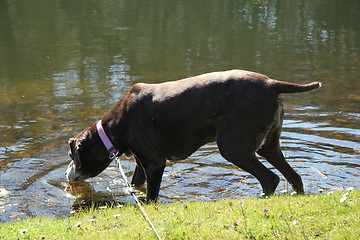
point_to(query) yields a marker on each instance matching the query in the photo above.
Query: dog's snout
(73, 176)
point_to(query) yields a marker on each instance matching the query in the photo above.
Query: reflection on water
(63, 64)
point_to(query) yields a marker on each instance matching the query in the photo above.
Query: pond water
(63, 64)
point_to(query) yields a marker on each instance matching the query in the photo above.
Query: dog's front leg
(154, 171)
(138, 178)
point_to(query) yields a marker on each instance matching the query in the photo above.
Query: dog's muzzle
(71, 175)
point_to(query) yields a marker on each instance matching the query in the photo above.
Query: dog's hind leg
(271, 151)
(247, 161)
(250, 164)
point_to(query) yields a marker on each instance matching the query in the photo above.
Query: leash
(132, 193)
(114, 155)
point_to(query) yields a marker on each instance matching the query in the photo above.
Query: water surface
(63, 64)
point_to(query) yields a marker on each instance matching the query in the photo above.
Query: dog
(241, 110)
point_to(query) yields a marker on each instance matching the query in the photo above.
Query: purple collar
(105, 139)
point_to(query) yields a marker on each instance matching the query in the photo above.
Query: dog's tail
(285, 87)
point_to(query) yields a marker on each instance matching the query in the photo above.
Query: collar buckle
(114, 155)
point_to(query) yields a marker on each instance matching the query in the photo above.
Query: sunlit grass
(324, 216)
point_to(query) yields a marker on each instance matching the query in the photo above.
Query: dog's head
(89, 156)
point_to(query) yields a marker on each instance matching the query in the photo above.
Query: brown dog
(240, 110)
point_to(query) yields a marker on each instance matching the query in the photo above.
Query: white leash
(132, 193)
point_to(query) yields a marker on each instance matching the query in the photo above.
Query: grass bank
(325, 216)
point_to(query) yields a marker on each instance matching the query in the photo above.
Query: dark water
(63, 64)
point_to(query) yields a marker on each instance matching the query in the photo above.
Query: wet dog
(240, 110)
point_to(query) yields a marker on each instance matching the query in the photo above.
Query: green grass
(278, 217)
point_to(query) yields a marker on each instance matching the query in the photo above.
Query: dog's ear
(75, 147)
